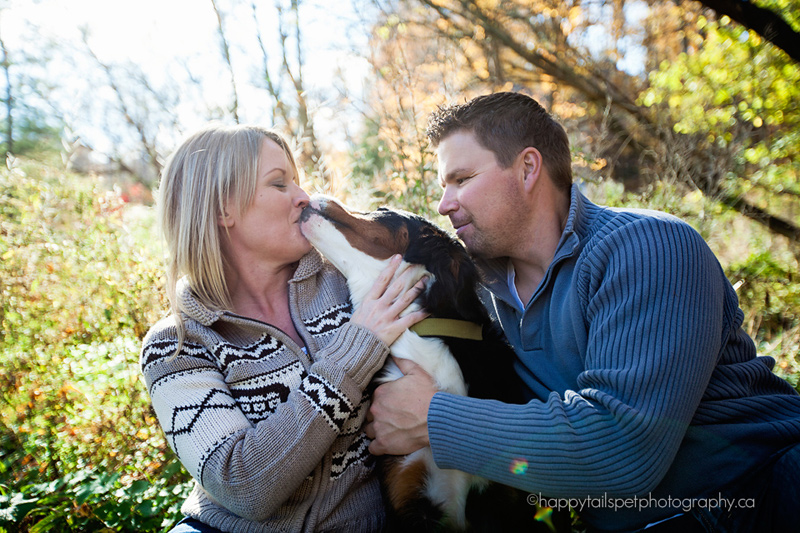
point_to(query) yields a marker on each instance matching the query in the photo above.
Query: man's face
(479, 195)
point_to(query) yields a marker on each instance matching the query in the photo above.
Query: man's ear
(531, 166)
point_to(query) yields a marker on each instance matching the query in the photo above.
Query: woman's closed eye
(279, 182)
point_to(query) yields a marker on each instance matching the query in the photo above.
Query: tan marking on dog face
(367, 234)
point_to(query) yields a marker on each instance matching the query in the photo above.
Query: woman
(258, 375)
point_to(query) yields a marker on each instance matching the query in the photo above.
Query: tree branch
(770, 25)
(147, 144)
(226, 52)
(753, 212)
(280, 106)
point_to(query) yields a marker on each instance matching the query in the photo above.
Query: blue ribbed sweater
(640, 380)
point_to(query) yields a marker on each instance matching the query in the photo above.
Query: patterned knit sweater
(272, 436)
(641, 381)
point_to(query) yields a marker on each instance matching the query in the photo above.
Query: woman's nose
(301, 199)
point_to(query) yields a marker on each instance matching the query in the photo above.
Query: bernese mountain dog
(459, 346)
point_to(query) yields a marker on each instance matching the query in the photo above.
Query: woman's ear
(225, 219)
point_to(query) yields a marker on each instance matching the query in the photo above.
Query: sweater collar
(193, 308)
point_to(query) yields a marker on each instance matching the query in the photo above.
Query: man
(646, 400)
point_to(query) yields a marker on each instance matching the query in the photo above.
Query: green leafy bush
(762, 267)
(81, 281)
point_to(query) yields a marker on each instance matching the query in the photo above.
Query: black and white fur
(361, 245)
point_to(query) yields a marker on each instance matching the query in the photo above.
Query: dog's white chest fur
(446, 488)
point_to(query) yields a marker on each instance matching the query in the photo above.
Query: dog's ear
(455, 277)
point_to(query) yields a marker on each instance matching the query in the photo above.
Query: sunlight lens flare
(519, 466)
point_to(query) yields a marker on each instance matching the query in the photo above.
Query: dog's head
(361, 244)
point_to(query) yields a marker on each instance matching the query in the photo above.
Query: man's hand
(397, 421)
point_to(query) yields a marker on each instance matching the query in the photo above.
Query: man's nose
(448, 203)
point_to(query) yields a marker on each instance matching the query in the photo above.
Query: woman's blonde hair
(210, 170)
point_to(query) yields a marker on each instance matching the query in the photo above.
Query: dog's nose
(317, 206)
(318, 202)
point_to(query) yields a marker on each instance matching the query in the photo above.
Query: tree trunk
(9, 100)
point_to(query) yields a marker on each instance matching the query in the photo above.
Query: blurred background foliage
(80, 447)
(681, 106)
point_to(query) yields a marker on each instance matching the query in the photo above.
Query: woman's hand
(380, 310)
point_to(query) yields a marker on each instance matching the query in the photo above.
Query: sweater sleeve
(653, 298)
(252, 469)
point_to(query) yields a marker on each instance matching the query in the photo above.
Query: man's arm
(397, 421)
(654, 316)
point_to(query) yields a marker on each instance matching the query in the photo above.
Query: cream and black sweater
(272, 436)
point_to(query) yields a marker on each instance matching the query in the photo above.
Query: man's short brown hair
(506, 123)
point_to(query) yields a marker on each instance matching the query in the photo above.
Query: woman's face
(269, 227)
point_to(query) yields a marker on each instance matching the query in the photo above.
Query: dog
(466, 356)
